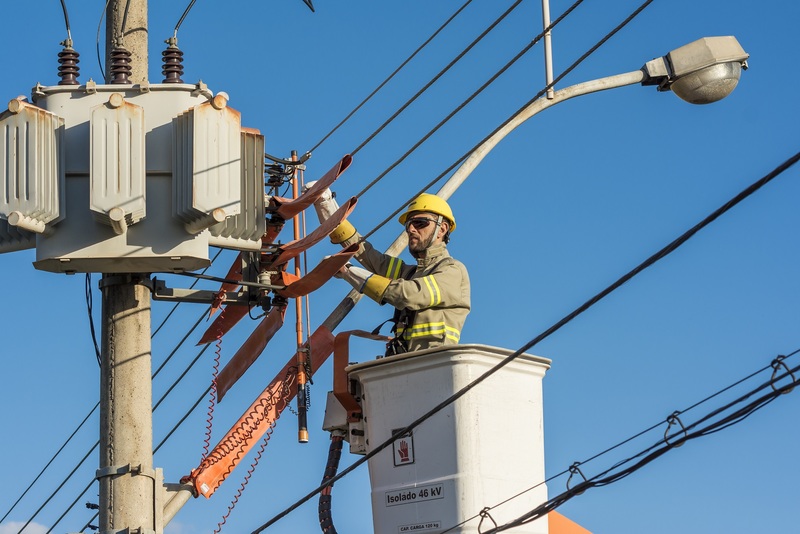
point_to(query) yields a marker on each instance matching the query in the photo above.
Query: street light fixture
(701, 72)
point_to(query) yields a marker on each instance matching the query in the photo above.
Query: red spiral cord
(246, 479)
(212, 397)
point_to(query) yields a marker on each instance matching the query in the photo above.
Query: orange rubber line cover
(222, 324)
(295, 248)
(319, 275)
(250, 350)
(234, 273)
(288, 208)
(261, 415)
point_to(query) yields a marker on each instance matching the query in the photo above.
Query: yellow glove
(375, 287)
(343, 232)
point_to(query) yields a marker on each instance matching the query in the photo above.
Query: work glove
(325, 205)
(363, 281)
(355, 276)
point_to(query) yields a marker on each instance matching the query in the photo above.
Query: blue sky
(563, 207)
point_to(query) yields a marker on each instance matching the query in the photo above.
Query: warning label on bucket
(414, 495)
(420, 527)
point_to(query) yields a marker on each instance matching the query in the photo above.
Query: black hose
(325, 515)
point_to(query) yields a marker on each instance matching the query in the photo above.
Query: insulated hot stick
(302, 378)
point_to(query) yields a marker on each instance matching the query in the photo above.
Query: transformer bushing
(68, 69)
(172, 58)
(120, 66)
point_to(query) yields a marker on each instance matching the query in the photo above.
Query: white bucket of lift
(484, 449)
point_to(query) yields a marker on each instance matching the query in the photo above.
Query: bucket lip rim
(465, 348)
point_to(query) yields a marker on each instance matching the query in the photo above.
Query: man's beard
(418, 249)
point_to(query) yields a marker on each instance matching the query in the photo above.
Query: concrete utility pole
(128, 482)
(128, 178)
(126, 27)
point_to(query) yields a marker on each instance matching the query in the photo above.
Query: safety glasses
(419, 223)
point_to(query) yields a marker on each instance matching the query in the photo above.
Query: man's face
(423, 231)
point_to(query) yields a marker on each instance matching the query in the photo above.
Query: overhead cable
(169, 434)
(575, 469)
(687, 433)
(436, 78)
(53, 494)
(554, 328)
(66, 19)
(392, 75)
(155, 450)
(461, 106)
(89, 301)
(175, 307)
(50, 462)
(97, 42)
(185, 12)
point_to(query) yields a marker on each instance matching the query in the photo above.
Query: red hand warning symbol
(403, 451)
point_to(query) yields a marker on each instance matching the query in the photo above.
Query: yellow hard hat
(431, 204)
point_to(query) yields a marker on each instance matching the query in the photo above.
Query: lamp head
(701, 72)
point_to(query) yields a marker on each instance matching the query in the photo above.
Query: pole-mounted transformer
(128, 178)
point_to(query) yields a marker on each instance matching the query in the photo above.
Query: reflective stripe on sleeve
(393, 271)
(433, 288)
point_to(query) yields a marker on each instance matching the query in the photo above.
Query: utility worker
(432, 296)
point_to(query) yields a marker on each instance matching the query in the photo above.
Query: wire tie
(575, 469)
(776, 364)
(670, 422)
(484, 514)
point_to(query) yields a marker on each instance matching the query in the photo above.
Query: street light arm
(538, 105)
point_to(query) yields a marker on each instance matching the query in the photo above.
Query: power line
(50, 462)
(436, 78)
(668, 443)
(574, 468)
(185, 12)
(89, 301)
(155, 407)
(175, 307)
(66, 19)
(155, 450)
(392, 75)
(97, 42)
(461, 106)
